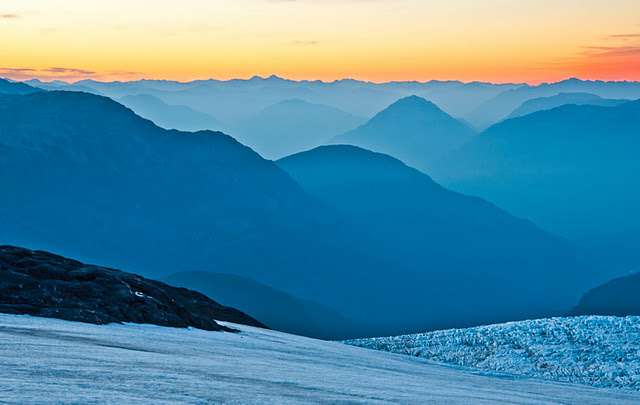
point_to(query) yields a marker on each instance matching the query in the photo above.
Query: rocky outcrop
(43, 284)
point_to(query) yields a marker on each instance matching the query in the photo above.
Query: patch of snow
(53, 361)
(600, 351)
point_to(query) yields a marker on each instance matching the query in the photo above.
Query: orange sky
(378, 40)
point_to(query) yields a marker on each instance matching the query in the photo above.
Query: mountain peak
(414, 107)
(414, 101)
(412, 129)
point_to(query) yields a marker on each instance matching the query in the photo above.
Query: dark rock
(43, 284)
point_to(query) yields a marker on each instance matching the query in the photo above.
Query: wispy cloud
(61, 70)
(611, 51)
(9, 16)
(50, 73)
(68, 74)
(625, 36)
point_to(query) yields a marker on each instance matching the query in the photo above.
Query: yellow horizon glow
(377, 40)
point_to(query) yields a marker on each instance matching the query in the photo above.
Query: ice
(53, 361)
(596, 350)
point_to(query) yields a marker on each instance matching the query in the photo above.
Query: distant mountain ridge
(413, 130)
(548, 103)
(232, 101)
(170, 116)
(292, 126)
(498, 108)
(537, 167)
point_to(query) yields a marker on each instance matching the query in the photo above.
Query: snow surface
(53, 361)
(597, 350)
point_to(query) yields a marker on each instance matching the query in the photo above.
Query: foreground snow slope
(46, 360)
(602, 351)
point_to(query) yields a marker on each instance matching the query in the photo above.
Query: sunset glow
(377, 40)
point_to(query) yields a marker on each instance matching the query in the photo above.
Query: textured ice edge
(600, 351)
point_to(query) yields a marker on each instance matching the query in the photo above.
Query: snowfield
(600, 351)
(53, 361)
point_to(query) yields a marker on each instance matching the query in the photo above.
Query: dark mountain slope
(7, 87)
(42, 284)
(413, 130)
(470, 262)
(618, 297)
(279, 310)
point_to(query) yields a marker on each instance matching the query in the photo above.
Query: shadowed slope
(469, 262)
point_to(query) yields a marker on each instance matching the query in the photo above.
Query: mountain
(572, 170)
(237, 100)
(9, 87)
(279, 310)
(85, 177)
(413, 130)
(548, 103)
(499, 107)
(292, 126)
(469, 261)
(170, 116)
(46, 285)
(618, 297)
(569, 169)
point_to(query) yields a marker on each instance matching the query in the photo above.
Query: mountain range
(465, 254)
(292, 126)
(572, 170)
(569, 169)
(499, 107)
(168, 116)
(548, 103)
(99, 183)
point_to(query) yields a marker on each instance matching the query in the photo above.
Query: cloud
(16, 70)
(624, 36)
(69, 71)
(611, 51)
(51, 73)
(9, 16)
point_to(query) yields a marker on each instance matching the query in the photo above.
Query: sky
(378, 40)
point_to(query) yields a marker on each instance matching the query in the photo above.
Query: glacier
(53, 361)
(602, 351)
